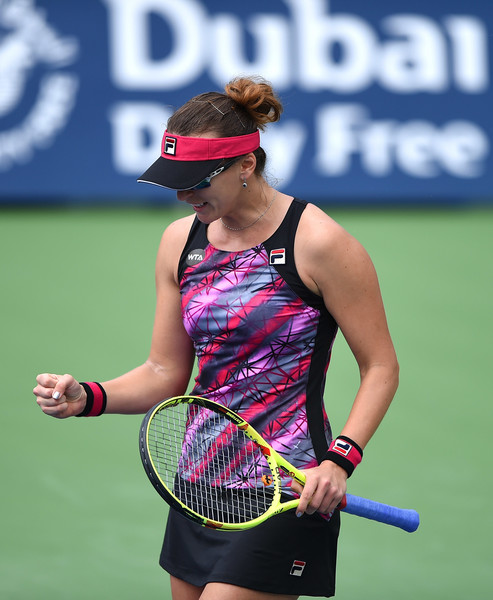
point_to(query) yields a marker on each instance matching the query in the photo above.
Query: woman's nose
(183, 195)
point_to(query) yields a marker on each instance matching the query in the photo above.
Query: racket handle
(404, 518)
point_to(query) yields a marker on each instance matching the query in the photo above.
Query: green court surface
(79, 517)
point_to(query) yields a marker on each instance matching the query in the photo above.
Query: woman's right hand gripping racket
(214, 468)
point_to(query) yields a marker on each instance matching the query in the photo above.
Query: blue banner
(384, 101)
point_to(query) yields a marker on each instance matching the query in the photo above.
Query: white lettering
(317, 35)
(137, 129)
(415, 151)
(130, 43)
(419, 149)
(376, 147)
(416, 61)
(310, 47)
(463, 147)
(469, 53)
(337, 136)
(313, 50)
(271, 36)
(284, 144)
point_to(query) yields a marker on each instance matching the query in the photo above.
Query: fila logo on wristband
(344, 448)
(345, 453)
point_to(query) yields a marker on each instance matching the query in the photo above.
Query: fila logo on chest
(277, 257)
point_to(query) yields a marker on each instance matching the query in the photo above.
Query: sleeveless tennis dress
(263, 343)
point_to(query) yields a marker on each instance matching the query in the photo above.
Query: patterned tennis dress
(263, 340)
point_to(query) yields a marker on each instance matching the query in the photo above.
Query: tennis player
(254, 286)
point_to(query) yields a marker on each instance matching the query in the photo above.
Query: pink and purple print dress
(263, 340)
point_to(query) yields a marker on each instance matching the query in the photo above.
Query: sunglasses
(206, 182)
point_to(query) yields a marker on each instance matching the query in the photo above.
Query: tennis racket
(214, 468)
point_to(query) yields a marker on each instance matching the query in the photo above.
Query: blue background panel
(383, 103)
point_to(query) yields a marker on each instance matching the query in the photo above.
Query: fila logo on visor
(297, 568)
(170, 145)
(278, 257)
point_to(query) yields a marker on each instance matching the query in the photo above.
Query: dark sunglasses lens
(203, 184)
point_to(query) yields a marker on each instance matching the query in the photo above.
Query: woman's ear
(247, 166)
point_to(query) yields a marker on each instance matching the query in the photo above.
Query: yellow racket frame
(275, 461)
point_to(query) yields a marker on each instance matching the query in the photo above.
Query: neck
(260, 216)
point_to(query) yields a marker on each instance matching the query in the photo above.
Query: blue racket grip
(404, 518)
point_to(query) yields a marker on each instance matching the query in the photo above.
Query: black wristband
(96, 399)
(345, 453)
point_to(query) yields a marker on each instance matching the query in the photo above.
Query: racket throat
(296, 475)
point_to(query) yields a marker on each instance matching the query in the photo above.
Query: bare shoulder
(172, 243)
(326, 251)
(178, 230)
(320, 233)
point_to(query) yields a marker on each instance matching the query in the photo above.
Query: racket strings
(210, 464)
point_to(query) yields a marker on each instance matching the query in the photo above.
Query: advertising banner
(384, 101)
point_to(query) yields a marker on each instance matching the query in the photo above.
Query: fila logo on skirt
(297, 568)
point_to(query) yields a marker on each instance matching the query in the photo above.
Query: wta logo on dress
(194, 257)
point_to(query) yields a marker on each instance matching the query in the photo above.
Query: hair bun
(256, 97)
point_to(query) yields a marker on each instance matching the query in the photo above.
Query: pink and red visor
(185, 161)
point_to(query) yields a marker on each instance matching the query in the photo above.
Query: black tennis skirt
(285, 555)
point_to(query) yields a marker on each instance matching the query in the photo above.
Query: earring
(244, 185)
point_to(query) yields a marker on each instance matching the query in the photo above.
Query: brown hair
(248, 104)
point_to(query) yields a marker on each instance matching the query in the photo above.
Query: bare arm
(336, 266)
(168, 367)
(167, 370)
(356, 304)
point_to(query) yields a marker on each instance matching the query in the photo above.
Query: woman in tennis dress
(254, 286)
